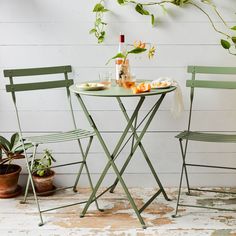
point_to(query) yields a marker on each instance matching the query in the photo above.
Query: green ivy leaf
(98, 21)
(233, 28)
(99, 8)
(100, 39)
(92, 31)
(234, 39)
(179, 2)
(139, 8)
(152, 19)
(225, 44)
(137, 50)
(121, 2)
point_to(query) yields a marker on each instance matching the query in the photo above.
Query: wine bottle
(119, 61)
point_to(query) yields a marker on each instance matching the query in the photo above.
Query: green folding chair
(73, 135)
(188, 135)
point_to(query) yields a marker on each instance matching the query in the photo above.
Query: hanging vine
(228, 41)
(98, 29)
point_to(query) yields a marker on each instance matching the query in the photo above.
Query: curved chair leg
(78, 177)
(184, 152)
(179, 192)
(84, 155)
(28, 179)
(33, 188)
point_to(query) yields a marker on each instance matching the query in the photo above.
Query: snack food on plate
(141, 88)
(160, 84)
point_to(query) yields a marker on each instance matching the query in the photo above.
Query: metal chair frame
(203, 136)
(76, 134)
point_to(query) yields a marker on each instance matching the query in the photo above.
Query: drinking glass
(128, 82)
(105, 78)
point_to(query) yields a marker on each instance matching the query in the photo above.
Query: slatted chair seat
(61, 136)
(207, 137)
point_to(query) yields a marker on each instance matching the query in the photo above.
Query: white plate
(160, 85)
(91, 86)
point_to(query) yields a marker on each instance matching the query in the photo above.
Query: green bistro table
(120, 93)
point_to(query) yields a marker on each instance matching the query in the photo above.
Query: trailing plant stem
(212, 23)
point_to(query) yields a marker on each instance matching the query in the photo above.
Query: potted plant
(42, 174)
(9, 173)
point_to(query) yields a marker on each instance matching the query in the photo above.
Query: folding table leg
(110, 158)
(142, 149)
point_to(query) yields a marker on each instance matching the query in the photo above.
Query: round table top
(116, 91)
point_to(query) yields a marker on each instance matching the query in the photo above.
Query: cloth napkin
(177, 106)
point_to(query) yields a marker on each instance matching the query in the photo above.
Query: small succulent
(41, 167)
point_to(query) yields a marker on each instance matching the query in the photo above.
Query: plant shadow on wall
(228, 33)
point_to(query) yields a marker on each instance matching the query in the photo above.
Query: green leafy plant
(13, 149)
(137, 48)
(229, 40)
(99, 24)
(41, 167)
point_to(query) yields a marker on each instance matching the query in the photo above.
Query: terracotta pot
(44, 183)
(9, 175)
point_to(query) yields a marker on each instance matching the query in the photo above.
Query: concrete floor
(118, 218)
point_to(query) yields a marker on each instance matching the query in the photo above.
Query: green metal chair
(186, 136)
(76, 134)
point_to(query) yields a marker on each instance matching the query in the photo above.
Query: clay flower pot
(43, 184)
(9, 175)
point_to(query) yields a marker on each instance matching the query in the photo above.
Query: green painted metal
(111, 156)
(39, 85)
(61, 137)
(211, 84)
(189, 135)
(211, 70)
(76, 134)
(135, 135)
(118, 92)
(150, 201)
(207, 137)
(37, 71)
(28, 180)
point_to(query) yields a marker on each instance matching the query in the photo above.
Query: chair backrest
(210, 84)
(14, 88)
(193, 83)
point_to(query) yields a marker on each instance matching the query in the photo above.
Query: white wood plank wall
(47, 33)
